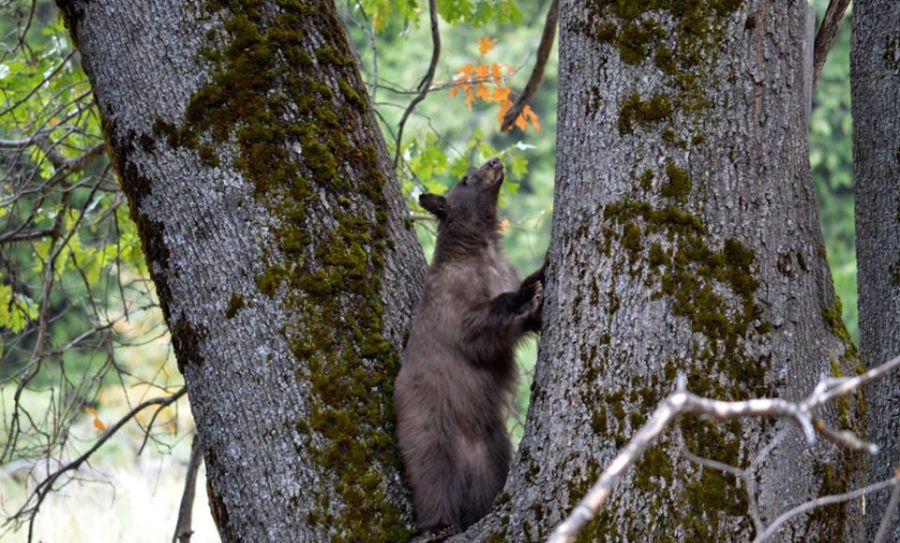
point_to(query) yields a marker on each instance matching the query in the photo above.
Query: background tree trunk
(277, 242)
(875, 79)
(685, 240)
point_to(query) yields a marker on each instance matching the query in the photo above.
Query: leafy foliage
(79, 327)
(476, 80)
(387, 15)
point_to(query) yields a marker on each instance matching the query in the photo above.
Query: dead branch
(63, 169)
(425, 84)
(26, 235)
(32, 505)
(183, 529)
(888, 517)
(682, 401)
(70, 166)
(537, 74)
(831, 22)
(744, 475)
(824, 500)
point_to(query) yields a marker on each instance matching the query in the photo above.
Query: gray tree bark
(875, 80)
(685, 240)
(276, 239)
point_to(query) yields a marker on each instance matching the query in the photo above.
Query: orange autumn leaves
(486, 82)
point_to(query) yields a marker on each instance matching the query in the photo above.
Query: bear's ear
(435, 204)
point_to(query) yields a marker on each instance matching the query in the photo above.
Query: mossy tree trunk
(875, 79)
(276, 238)
(685, 240)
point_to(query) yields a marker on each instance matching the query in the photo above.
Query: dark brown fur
(458, 374)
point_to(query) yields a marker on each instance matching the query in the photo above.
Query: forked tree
(685, 243)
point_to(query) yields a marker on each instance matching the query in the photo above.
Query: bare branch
(77, 164)
(824, 500)
(183, 529)
(425, 84)
(682, 401)
(714, 464)
(842, 387)
(373, 46)
(845, 439)
(888, 517)
(33, 503)
(537, 74)
(584, 511)
(831, 22)
(26, 235)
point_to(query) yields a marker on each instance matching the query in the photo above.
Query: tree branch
(183, 529)
(831, 22)
(26, 235)
(887, 518)
(682, 401)
(46, 486)
(425, 84)
(537, 74)
(824, 500)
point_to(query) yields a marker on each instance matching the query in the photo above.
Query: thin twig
(373, 45)
(831, 22)
(824, 500)
(425, 84)
(845, 386)
(537, 74)
(888, 516)
(40, 85)
(46, 486)
(714, 464)
(26, 235)
(584, 511)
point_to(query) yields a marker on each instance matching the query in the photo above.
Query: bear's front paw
(527, 301)
(534, 318)
(535, 297)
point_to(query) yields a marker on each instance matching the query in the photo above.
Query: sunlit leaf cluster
(488, 83)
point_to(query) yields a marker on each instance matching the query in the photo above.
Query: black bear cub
(458, 374)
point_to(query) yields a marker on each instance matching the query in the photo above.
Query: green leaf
(16, 309)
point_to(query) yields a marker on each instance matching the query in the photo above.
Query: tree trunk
(277, 242)
(685, 241)
(875, 79)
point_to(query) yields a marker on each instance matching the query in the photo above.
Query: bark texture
(875, 80)
(277, 243)
(685, 240)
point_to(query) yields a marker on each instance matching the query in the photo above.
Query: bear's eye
(465, 180)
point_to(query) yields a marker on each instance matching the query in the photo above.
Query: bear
(458, 374)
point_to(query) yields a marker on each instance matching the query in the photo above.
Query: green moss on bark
(636, 111)
(679, 185)
(283, 89)
(235, 303)
(680, 38)
(712, 286)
